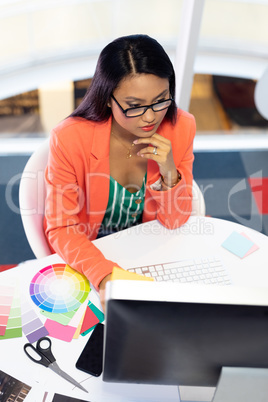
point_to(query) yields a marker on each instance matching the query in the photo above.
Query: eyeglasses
(139, 111)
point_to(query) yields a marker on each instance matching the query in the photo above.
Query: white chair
(198, 202)
(32, 194)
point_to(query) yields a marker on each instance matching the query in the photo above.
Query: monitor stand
(242, 385)
(235, 385)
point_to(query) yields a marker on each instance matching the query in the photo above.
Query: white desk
(144, 244)
(201, 236)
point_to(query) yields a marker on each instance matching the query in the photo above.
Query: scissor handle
(40, 358)
(40, 355)
(46, 351)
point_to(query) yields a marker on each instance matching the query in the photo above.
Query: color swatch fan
(59, 289)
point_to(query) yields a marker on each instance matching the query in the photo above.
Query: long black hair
(128, 55)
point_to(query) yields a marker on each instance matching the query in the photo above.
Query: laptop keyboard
(209, 270)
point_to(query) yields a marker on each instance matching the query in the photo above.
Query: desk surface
(149, 243)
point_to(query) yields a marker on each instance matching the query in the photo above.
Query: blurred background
(219, 49)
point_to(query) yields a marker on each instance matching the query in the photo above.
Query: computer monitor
(178, 334)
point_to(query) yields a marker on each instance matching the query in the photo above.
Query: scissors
(43, 355)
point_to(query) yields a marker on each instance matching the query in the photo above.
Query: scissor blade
(54, 367)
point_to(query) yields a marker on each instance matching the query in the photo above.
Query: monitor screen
(177, 334)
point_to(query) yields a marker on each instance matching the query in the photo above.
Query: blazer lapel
(99, 175)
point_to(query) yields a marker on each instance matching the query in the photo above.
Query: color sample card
(59, 331)
(6, 298)
(78, 329)
(66, 332)
(92, 317)
(32, 326)
(122, 274)
(238, 244)
(90, 320)
(62, 318)
(14, 325)
(59, 289)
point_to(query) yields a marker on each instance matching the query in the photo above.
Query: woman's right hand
(102, 290)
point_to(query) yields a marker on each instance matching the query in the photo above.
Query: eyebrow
(142, 100)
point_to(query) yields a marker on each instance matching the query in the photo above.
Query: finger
(149, 151)
(150, 156)
(149, 141)
(155, 140)
(158, 158)
(102, 300)
(160, 138)
(155, 151)
(164, 146)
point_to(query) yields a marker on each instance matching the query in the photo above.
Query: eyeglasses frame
(141, 107)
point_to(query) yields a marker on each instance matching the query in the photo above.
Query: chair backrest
(32, 195)
(198, 202)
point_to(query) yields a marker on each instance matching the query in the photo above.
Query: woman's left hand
(102, 287)
(159, 149)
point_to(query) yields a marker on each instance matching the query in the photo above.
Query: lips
(148, 128)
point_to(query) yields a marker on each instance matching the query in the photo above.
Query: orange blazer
(77, 180)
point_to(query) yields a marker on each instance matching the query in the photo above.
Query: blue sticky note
(237, 244)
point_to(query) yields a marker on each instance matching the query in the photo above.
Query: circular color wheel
(58, 288)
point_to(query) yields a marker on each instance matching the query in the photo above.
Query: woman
(123, 157)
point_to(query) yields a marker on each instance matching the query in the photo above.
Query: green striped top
(124, 209)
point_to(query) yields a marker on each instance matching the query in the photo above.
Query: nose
(148, 116)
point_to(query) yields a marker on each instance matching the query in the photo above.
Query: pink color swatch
(6, 297)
